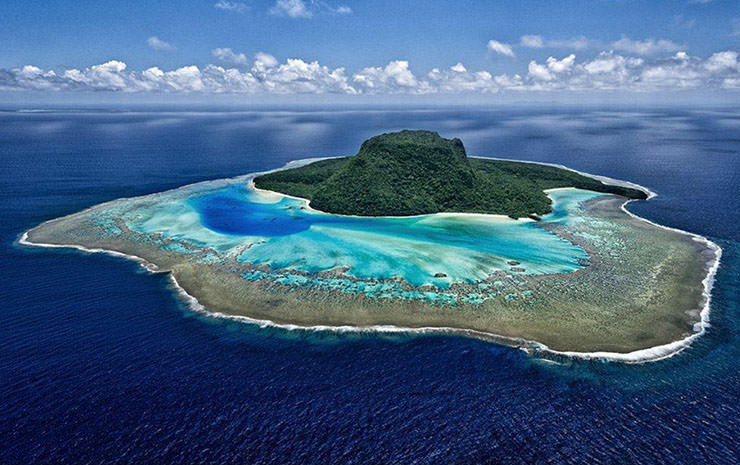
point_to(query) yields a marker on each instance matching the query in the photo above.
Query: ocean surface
(101, 363)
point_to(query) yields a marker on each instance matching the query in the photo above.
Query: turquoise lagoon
(233, 220)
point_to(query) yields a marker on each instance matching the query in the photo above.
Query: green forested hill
(416, 172)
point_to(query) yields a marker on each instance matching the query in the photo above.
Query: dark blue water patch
(100, 364)
(227, 212)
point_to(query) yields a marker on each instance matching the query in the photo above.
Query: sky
(365, 50)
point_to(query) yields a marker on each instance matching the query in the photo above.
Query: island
(413, 235)
(419, 172)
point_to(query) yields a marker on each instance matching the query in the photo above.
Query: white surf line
(668, 350)
(664, 351)
(643, 355)
(196, 306)
(639, 356)
(149, 266)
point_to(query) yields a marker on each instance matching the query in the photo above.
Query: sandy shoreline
(648, 354)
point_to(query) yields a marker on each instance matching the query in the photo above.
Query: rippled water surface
(101, 364)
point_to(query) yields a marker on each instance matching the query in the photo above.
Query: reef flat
(587, 277)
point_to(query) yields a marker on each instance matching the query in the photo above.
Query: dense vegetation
(416, 172)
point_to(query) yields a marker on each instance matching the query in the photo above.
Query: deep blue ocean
(100, 362)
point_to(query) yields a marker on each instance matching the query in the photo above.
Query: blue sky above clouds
(349, 47)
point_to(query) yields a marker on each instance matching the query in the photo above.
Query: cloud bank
(608, 71)
(625, 44)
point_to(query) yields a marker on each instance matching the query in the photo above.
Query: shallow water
(280, 232)
(99, 363)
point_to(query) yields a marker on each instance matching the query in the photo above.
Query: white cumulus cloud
(264, 61)
(458, 79)
(722, 61)
(291, 8)
(539, 72)
(229, 56)
(500, 48)
(393, 78)
(574, 43)
(532, 41)
(559, 66)
(606, 72)
(298, 76)
(641, 47)
(459, 68)
(645, 47)
(307, 8)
